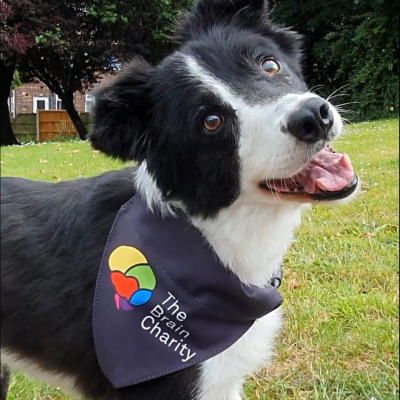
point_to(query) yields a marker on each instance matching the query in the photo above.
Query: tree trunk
(7, 136)
(68, 103)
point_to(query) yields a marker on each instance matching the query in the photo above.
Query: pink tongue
(328, 171)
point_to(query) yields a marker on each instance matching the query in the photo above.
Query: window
(40, 103)
(89, 102)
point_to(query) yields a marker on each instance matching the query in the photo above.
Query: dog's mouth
(327, 176)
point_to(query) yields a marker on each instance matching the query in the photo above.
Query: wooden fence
(46, 125)
(24, 127)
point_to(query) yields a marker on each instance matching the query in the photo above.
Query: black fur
(123, 108)
(53, 236)
(210, 13)
(243, 15)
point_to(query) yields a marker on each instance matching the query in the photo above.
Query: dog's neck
(250, 239)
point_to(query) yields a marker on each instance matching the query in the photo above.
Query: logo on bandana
(132, 277)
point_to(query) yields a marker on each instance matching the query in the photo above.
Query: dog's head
(226, 117)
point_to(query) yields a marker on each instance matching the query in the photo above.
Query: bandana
(164, 301)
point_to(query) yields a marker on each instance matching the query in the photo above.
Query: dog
(223, 130)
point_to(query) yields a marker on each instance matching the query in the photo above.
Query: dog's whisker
(338, 95)
(346, 104)
(341, 112)
(341, 108)
(315, 88)
(336, 91)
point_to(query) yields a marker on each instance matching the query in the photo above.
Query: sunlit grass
(340, 339)
(341, 287)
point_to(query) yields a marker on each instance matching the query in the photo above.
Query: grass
(341, 277)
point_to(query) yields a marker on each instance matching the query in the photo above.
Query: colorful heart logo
(132, 277)
(124, 286)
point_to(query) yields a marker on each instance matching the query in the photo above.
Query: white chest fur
(223, 376)
(251, 241)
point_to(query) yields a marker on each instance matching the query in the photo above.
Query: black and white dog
(224, 129)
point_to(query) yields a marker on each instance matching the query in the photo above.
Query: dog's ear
(289, 41)
(208, 13)
(121, 113)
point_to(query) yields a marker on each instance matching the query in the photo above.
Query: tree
(7, 68)
(353, 43)
(368, 48)
(17, 27)
(87, 39)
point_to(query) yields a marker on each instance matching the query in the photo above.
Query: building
(30, 97)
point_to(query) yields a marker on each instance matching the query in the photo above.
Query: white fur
(147, 187)
(251, 240)
(223, 375)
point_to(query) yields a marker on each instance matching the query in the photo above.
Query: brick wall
(24, 96)
(79, 101)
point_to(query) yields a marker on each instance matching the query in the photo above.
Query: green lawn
(341, 276)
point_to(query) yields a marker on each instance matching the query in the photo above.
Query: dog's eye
(212, 123)
(271, 67)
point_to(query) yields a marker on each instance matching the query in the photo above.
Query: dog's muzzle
(312, 121)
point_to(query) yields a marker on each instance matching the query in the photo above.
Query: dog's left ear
(121, 113)
(208, 13)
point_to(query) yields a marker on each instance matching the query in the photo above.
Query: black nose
(312, 121)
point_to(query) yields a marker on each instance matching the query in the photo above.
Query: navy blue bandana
(164, 301)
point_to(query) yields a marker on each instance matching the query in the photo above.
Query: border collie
(225, 130)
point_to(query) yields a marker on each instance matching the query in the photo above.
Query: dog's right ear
(121, 113)
(208, 13)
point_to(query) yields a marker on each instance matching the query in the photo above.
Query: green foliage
(106, 11)
(51, 35)
(169, 11)
(353, 43)
(16, 81)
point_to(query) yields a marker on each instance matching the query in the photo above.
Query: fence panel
(24, 126)
(52, 124)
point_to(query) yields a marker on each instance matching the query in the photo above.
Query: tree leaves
(350, 42)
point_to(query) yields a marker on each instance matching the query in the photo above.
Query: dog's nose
(312, 121)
